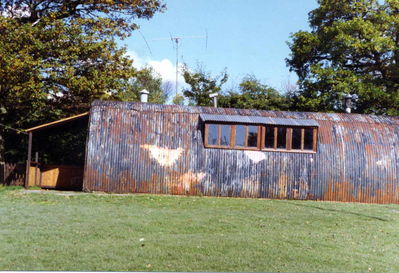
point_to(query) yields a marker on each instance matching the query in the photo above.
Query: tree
(353, 47)
(148, 79)
(253, 94)
(202, 84)
(62, 54)
(56, 57)
(58, 71)
(178, 99)
(113, 17)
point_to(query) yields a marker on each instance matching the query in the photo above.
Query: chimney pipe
(349, 102)
(144, 95)
(214, 97)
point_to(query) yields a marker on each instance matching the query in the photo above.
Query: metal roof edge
(319, 116)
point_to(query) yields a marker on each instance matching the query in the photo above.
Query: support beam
(28, 160)
(36, 166)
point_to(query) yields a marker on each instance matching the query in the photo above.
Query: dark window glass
(225, 135)
(252, 136)
(281, 137)
(308, 141)
(269, 137)
(296, 138)
(240, 135)
(213, 134)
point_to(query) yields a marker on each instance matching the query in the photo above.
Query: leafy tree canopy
(178, 99)
(56, 57)
(55, 71)
(201, 85)
(353, 47)
(253, 94)
(114, 16)
(148, 79)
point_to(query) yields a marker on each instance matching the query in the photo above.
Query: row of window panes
(300, 138)
(247, 136)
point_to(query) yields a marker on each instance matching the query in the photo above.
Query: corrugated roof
(258, 120)
(316, 116)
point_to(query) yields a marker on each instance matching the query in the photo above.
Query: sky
(242, 36)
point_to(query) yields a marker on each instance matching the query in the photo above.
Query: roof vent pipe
(144, 95)
(214, 97)
(349, 102)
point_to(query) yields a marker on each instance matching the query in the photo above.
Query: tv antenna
(176, 41)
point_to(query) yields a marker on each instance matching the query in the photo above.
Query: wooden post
(28, 160)
(36, 166)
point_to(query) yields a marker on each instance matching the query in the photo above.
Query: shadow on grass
(341, 211)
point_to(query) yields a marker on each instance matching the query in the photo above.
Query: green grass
(42, 231)
(9, 188)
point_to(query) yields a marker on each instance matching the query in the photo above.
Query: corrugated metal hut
(147, 148)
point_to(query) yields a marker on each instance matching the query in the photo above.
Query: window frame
(232, 136)
(218, 138)
(261, 138)
(233, 143)
(288, 139)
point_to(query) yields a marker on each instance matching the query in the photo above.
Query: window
(246, 136)
(240, 135)
(237, 136)
(296, 139)
(293, 139)
(218, 135)
(269, 137)
(252, 136)
(261, 137)
(308, 139)
(225, 132)
(281, 138)
(213, 131)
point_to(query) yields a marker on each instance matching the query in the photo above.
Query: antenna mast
(176, 43)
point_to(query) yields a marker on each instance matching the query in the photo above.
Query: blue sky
(245, 37)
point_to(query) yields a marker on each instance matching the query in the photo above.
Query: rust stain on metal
(301, 191)
(282, 186)
(249, 186)
(347, 192)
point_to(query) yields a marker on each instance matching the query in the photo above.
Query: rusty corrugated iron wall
(147, 148)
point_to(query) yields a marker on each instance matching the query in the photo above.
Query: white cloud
(165, 68)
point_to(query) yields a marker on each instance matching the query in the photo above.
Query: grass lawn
(48, 231)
